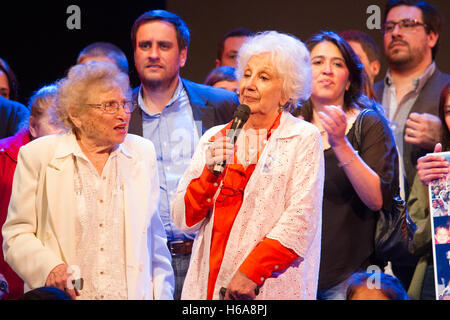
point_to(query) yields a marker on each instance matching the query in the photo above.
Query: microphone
(240, 118)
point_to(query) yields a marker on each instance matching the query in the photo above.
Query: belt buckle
(173, 244)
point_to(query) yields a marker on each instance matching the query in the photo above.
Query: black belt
(180, 246)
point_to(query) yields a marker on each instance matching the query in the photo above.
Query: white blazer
(282, 201)
(39, 232)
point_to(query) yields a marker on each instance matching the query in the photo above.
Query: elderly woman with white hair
(259, 221)
(83, 215)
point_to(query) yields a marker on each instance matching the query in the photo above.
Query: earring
(285, 106)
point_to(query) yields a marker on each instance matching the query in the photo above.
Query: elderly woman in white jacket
(259, 221)
(84, 203)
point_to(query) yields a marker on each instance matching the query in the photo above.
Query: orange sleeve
(267, 257)
(199, 196)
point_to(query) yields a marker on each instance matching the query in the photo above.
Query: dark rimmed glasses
(112, 107)
(405, 25)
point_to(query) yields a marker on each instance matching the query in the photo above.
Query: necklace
(253, 146)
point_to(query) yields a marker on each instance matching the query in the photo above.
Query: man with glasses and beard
(410, 92)
(411, 88)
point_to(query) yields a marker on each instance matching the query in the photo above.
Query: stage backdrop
(210, 20)
(41, 40)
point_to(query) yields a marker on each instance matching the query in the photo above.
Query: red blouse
(269, 255)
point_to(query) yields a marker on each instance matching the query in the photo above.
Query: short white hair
(290, 58)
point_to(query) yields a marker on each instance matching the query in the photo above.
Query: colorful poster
(439, 195)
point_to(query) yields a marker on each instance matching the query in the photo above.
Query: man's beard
(159, 84)
(405, 60)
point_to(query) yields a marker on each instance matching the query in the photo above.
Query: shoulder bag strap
(358, 126)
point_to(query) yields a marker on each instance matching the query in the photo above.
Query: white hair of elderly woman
(290, 58)
(82, 81)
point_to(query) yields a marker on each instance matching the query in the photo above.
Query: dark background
(40, 48)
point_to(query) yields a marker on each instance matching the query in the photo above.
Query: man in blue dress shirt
(173, 113)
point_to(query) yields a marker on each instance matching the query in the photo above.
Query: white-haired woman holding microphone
(259, 221)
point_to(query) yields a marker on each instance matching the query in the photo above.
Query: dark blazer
(210, 107)
(13, 115)
(427, 102)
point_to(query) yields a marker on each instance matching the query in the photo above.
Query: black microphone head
(242, 112)
(241, 116)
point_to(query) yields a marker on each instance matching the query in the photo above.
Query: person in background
(173, 113)
(229, 45)
(9, 87)
(84, 204)
(258, 222)
(4, 287)
(46, 293)
(223, 77)
(360, 179)
(429, 168)
(106, 52)
(411, 87)
(369, 54)
(375, 286)
(367, 50)
(38, 125)
(13, 117)
(410, 91)
(12, 113)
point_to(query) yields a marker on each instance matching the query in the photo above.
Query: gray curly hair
(83, 80)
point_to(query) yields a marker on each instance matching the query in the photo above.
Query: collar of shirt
(71, 146)
(227, 127)
(175, 97)
(224, 132)
(417, 83)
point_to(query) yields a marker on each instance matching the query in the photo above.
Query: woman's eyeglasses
(112, 107)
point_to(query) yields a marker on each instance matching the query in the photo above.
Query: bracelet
(341, 165)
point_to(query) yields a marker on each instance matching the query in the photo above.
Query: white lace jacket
(282, 201)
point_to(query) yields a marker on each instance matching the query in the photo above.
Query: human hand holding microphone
(222, 149)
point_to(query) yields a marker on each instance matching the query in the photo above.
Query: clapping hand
(334, 121)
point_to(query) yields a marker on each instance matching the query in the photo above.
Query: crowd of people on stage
(265, 182)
